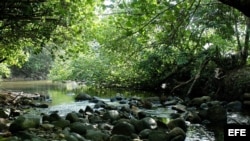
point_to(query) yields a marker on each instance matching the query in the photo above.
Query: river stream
(62, 100)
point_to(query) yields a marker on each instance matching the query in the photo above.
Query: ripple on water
(238, 118)
(64, 109)
(161, 112)
(197, 132)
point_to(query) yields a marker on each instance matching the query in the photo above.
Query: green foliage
(37, 66)
(139, 43)
(4, 70)
(142, 44)
(25, 25)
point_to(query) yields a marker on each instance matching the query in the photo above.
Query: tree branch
(3, 59)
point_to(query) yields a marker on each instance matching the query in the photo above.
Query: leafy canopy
(141, 43)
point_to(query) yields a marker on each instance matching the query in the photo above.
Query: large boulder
(82, 97)
(176, 134)
(235, 84)
(178, 122)
(79, 128)
(72, 117)
(24, 122)
(218, 112)
(123, 128)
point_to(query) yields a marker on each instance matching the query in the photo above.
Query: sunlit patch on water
(63, 109)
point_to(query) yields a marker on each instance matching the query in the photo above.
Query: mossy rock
(235, 84)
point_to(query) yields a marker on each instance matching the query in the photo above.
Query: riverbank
(102, 114)
(101, 122)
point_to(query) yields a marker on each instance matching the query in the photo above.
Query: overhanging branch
(241, 5)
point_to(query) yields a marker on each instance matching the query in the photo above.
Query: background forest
(182, 46)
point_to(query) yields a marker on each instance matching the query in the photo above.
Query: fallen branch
(15, 99)
(197, 76)
(181, 84)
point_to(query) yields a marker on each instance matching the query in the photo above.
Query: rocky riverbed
(127, 120)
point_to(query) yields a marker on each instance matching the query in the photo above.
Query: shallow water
(62, 100)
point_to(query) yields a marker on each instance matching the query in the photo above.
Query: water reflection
(56, 91)
(64, 93)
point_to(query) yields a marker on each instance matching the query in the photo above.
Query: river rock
(193, 117)
(100, 104)
(123, 128)
(82, 97)
(25, 135)
(158, 136)
(78, 137)
(96, 135)
(234, 106)
(4, 113)
(88, 110)
(174, 115)
(176, 134)
(218, 112)
(123, 101)
(79, 128)
(141, 114)
(149, 123)
(179, 108)
(111, 115)
(105, 126)
(62, 123)
(72, 117)
(47, 126)
(179, 122)
(146, 104)
(52, 117)
(138, 124)
(120, 138)
(199, 100)
(95, 118)
(24, 122)
(119, 97)
(42, 105)
(71, 137)
(145, 133)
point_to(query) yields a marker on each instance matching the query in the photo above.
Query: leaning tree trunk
(244, 51)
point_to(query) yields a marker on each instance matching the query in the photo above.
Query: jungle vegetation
(143, 44)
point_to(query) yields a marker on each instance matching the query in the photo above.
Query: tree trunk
(244, 51)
